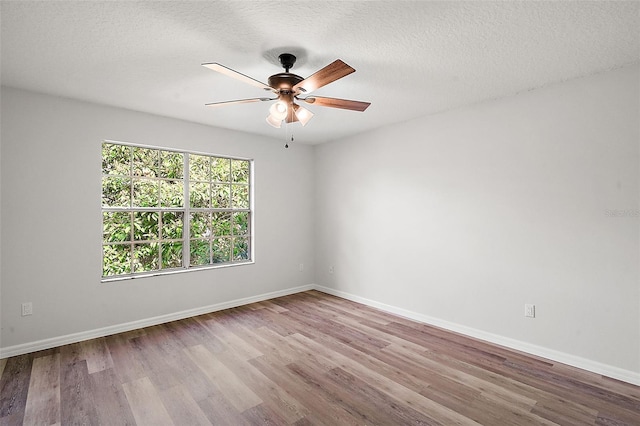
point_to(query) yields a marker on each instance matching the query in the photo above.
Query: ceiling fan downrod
(287, 60)
(284, 82)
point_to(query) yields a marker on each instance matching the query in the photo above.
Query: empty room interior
(349, 212)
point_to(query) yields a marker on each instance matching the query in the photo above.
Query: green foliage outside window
(144, 210)
(215, 184)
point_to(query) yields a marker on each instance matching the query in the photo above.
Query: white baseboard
(134, 325)
(553, 355)
(557, 356)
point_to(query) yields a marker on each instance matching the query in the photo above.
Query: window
(148, 224)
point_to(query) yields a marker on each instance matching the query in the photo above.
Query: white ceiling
(411, 58)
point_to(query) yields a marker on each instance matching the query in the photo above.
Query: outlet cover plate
(529, 310)
(27, 309)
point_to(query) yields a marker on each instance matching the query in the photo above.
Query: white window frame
(186, 210)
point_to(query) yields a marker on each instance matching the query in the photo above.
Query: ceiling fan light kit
(288, 86)
(303, 114)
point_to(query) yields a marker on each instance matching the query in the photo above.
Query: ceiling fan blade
(235, 74)
(332, 72)
(337, 103)
(239, 101)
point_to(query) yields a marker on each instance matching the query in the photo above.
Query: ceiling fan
(288, 87)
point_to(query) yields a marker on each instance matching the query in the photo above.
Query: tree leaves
(142, 190)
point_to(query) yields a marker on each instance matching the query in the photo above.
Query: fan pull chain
(286, 134)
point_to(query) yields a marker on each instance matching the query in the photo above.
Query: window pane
(145, 257)
(199, 195)
(171, 164)
(200, 226)
(145, 162)
(240, 171)
(136, 179)
(221, 250)
(116, 226)
(199, 252)
(221, 224)
(240, 196)
(171, 255)
(145, 193)
(240, 249)
(198, 167)
(145, 226)
(171, 193)
(241, 223)
(172, 225)
(116, 260)
(220, 196)
(116, 159)
(116, 192)
(220, 169)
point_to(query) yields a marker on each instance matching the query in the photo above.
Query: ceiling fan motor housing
(284, 81)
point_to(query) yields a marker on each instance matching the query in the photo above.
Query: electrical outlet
(530, 311)
(27, 309)
(301, 267)
(331, 270)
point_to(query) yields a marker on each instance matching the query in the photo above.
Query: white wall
(467, 215)
(51, 218)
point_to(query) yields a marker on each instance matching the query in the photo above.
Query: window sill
(173, 271)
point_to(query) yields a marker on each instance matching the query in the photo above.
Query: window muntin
(149, 227)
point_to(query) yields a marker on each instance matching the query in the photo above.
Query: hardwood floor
(304, 359)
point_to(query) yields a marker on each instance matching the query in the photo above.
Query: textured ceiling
(411, 58)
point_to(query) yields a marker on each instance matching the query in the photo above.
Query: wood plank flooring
(304, 359)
